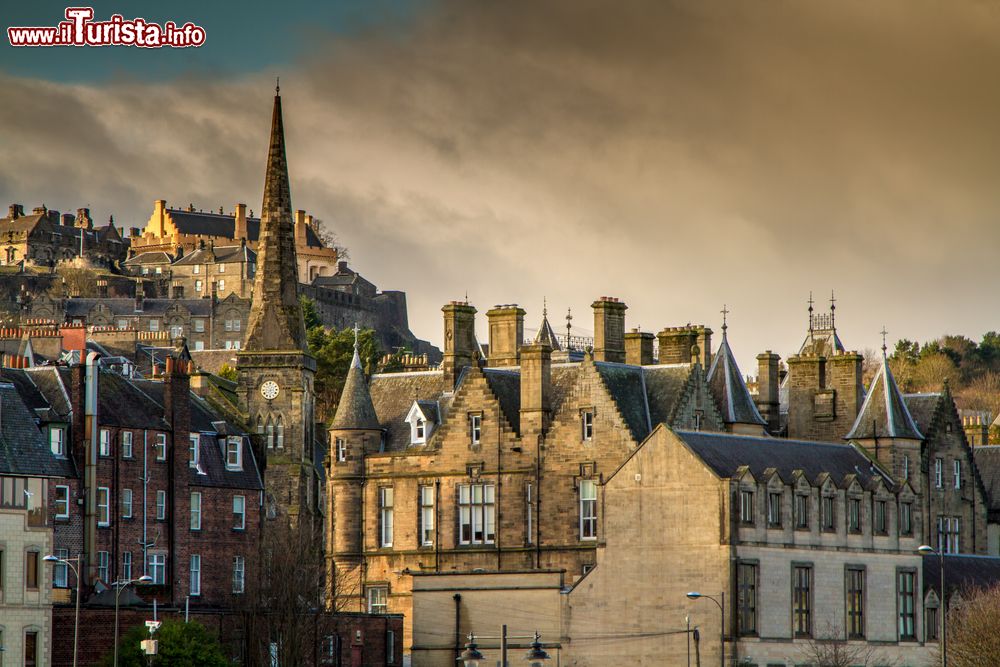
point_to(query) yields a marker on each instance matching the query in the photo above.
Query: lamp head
(471, 657)
(51, 559)
(693, 595)
(144, 579)
(537, 656)
(926, 550)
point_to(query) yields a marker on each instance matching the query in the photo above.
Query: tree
(329, 239)
(75, 281)
(227, 372)
(974, 628)
(179, 645)
(932, 370)
(830, 649)
(333, 350)
(983, 393)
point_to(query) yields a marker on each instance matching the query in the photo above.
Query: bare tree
(932, 370)
(974, 628)
(329, 239)
(831, 649)
(983, 393)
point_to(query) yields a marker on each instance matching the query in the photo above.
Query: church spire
(275, 321)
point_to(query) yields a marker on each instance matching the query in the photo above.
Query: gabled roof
(81, 307)
(884, 413)
(725, 453)
(428, 411)
(506, 386)
(626, 385)
(218, 254)
(729, 389)
(24, 450)
(987, 460)
(392, 396)
(355, 409)
(149, 257)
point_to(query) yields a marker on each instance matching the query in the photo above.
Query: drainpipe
(458, 625)
(90, 460)
(145, 484)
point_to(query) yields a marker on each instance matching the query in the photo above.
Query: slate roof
(665, 385)
(149, 257)
(506, 386)
(884, 413)
(204, 223)
(729, 389)
(41, 392)
(355, 409)
(81, 307)
(627, 387)
(430, 411)
(220, 254)
(987, 460)
(922, 408)
(392, 396)
(24, 450)
(546, 334)
(724, 453)
(961, 572)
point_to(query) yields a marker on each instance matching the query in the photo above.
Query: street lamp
(926, 550)
(536, 655)
(695, 595)
(119, 587)
(471, 655)
(76, 623)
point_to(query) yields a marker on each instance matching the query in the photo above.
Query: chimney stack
(15, 211)
(300, 228)
(159, 217)
(609, 329)
(676, 343)
(536, 389)
(639, 348)
(459, 339)
(767, 389)
(240, 222)
(506, 334)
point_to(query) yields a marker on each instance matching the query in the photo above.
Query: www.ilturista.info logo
(79, 29)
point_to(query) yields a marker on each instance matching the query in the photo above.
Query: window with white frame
(126, 503)
(103, 509)
(234, 453)
(157, 567)
(939, 473)
(905, 518)
(176, 330)
(126, 444)
(385, 516)
(587, 425)
(102, 565)
(948, 534)
(426, 515)
(57, 440)
(588, 509)
(199, 345)
(161, 505)
(958, 474)
(60, 570)
(419, 434)
(194, 442)
(341, 450)
(222, 268)
(123, 324)
(477, 514)
(195, 571)
(221, 286)
(196, 269)
(279, 432)
(239, 512)
(160, 446)
(746, 507)
(197, 285)
(62, 502)
(127, 565)
(239, 574)
(195, 510)
(378, 599)
(104, 448)
(199, 325)
(475, 428)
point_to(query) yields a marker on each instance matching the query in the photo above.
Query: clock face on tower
(269, 390)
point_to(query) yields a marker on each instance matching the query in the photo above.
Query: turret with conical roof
(730, 391)
(355, 410)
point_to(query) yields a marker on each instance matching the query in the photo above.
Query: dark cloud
(678, 155)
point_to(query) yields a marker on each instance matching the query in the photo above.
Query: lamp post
(695, 595)
(119, 587)
(536, 655)
(76, 623)
(926, 550)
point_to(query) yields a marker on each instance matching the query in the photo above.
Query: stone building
(492, 467)
(45, 238)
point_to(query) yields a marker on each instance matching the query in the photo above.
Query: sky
(681, 156)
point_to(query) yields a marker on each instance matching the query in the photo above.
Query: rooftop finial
(545, 308)
(277, 85)
(884, 334)
(810, 310)
(833, 307)
(569, 326)
(356, 361)
(724, 311)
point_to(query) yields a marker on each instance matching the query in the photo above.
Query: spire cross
(356, 330)
(545, 308)
(833, 301)
(725, 312)
(884, 334)
(277, 85)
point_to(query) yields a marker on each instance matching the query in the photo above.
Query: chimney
(704, 343)
(459, 339)
(676, 344)
(87, 456)
(159, 217)
(83, 220)
(240, 223)
(506, 334)
(15, 211)
(300, 229)
(639, 348)
(134, 232)
(609, 329)
(67, 219)
(102, 288)
(39, 210)
(177, 412)
(140, 296)
(767, 389)
(536, 389)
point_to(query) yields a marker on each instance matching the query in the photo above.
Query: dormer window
(421, 418)
(234, 453)
(419, 430)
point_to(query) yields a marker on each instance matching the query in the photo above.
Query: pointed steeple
(884, 413)
(355, 410)
(545, 333)
(727, 386)
(275, 321)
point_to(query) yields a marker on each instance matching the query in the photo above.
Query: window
(31, 570)
(160, 446)
(378, 599)
(57, 440)
(60, 570)
(104, 449)
(746, 507)
(958, 474)
(746, 581)
(802, 600)
(854, 515)
(193, 443)
(199, 345)
(390, 647)
(826, 503)
(476, 514)
(154, 325)
(419, 430)
(220, 287)
(529, 511)
(126, 444)
(176, 330)
(475, 428)
(905, 604)
(801, 511)
(906, 467)
(588, 509)
(161, 505)
(270, 433)
(239, 512)
(195, 510)
(196, 269)
(127, 565)
(341, 450)
(280, 433)
(855, 589)
(774, 510)
(426, 515)
(878, 518)
(939, 473)
(587, 425)
(30, 648)
(931, 623)
(906, 518)
(329, 648)
(126, 503)
(234, 453)
(195, 571)
(239, 574)
(102, 565)
(158, 568)
(222, 268)
(385, 517)
(103, 510)
(199, 325)
(197, 284)
(948, 534)
(62, 502)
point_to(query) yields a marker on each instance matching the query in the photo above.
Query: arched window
(281, 433)
(270, 433)
(260, 425)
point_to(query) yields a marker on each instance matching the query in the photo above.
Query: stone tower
(354, 433)
(275, 369)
